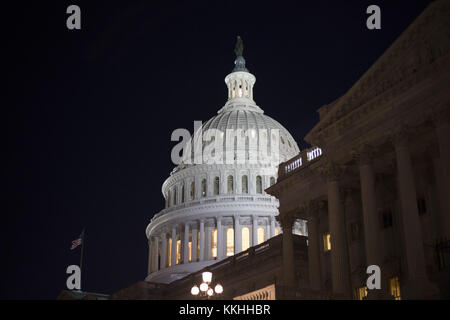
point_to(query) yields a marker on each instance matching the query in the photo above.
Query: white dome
(205, 200)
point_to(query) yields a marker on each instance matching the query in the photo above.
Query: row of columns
(246, 87)
(418, 285)
(158, 260)
(181, 192)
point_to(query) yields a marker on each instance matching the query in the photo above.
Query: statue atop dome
(240, 61)
(239, 49)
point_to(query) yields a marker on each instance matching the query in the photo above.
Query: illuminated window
(258, 184)
(204, 188)
(192, 193)
(216, 185)
(245, 238)
(272, 181)
(261, 235)
(175, 195)
(361, 293)
(326, 242)
(394, 288)
(182, 194)
(190, 247)
(230, 184)
(169, 252)
(244, 184)
(214, 243)
(277, 231)
(230, 242)
(178, 259)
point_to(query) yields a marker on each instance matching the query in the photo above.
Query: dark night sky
(90, 112)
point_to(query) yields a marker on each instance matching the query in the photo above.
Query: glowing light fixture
(207, 277)
(195, 290)
(203, 287)
(218, 289)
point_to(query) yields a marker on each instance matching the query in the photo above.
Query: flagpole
(81, 255)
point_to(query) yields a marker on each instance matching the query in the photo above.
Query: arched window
(182, 193)
(244, 184)
(178, 252)
(230, 242)
(190, 247)
(272, 181)
(230, 184)
(258, 184)
(214, 243)
(216, 185)
(245, 238)
(261, 233)
(175, 195)
(204, 188)
(192, 192)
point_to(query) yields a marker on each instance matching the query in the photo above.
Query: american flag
(77, 242)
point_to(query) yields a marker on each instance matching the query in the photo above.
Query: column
(417, 285)
(442, 127)
(174, 246)
(150, 256)
(163, 250)
(186, 244)
(219, 238)
(254, 230)
(289, 279)
(314, 246)
(237, 235)
(340, 271)
(194, 243)
(272, 226)
(370, 215)
(155, 253)
(202, 240)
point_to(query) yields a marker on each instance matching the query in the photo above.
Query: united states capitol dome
(215, 200)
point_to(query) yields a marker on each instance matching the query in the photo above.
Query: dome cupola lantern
(240, 82)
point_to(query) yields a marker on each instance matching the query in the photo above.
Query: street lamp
(205, 289)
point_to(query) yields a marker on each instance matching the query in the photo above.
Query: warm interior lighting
(245, 238)
(210, 292)
(203, 287)
(327, 242)
(207, 277)
(214, 243)
(261, 235)
(230, 242)
(218, 289)
(195, 290)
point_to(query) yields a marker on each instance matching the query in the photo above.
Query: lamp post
(205, 288)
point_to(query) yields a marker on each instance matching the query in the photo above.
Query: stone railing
(219, 199)
(299, 161)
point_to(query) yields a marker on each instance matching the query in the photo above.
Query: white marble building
(217, 210)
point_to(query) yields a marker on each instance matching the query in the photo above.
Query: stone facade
(380, 189)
